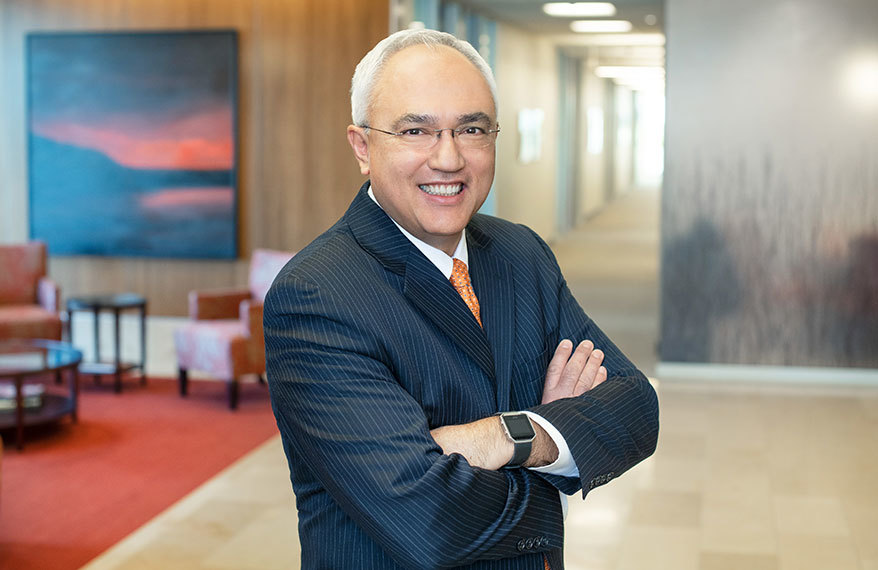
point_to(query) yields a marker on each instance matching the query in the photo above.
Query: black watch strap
(520, 432)
(520, 455)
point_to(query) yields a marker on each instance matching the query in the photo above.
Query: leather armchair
(224, 337)
(29, 300)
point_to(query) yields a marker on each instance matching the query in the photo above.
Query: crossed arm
(483, 443)
(351, 429)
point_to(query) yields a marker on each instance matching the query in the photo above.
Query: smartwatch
(520, 432)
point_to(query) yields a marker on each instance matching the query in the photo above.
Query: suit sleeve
(367, 441)
(612, 427)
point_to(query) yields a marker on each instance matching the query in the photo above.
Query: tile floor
(746, 477)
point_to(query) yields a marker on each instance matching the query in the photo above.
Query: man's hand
(573, 375)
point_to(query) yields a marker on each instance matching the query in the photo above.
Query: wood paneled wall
(296, 171)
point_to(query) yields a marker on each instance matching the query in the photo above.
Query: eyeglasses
(424, 138)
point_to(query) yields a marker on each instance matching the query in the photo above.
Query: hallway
(611, 264)
(745, 477)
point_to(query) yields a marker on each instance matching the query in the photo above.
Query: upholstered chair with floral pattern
(224, 336)
(29, 300)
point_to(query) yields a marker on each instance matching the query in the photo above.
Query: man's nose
(446, 155)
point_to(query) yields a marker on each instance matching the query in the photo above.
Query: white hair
(370, 67)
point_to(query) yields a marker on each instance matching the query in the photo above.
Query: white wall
(594, 150)
(527, 78)
(623, 141)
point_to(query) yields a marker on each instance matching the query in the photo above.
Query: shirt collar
(437, 257)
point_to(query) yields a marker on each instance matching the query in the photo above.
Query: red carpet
(77, 489)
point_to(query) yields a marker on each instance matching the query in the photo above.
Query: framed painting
(132, 143)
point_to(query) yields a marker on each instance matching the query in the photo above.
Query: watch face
(518, 426)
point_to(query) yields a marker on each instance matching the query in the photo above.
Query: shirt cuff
(564, 465)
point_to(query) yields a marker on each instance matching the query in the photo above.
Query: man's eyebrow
(413, 119)
(477, 117)
(422, 119)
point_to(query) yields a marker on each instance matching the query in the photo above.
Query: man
(395, 337)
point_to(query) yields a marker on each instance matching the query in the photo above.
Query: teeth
(441, 189)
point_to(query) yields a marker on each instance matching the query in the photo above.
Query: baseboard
(791, 375)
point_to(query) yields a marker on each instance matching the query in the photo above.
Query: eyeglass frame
(438, 132)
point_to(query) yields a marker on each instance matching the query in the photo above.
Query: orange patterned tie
(461, 282)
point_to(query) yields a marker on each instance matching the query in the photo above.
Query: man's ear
(360, 144)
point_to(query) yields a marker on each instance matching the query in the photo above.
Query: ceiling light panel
(579, 9)
(636, 72)
(600, 26)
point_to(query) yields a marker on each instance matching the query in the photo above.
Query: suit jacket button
(530, 543)
(522, 545)
(544, 542)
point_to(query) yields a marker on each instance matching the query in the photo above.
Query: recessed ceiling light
(600, 26)
(650, 19)
(636, 72)
(579, 9)
(645, 84)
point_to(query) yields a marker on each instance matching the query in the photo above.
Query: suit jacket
(369, 347)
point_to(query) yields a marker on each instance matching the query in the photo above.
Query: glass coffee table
(27, 396)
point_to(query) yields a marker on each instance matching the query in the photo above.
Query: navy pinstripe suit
(369, 347)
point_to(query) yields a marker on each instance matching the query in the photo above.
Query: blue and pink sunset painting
(132, 148)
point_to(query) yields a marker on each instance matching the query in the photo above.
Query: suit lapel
(493, 284)
(376, 233)
(435, 296)
(424, 285)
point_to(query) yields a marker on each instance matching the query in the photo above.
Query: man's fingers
(573, 374)
(601, 376)
(575, 365)
(589, 374)
(556, 365)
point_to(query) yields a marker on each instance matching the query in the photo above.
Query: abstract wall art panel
(132, 143)
(770, 194)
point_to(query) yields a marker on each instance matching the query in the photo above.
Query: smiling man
(437, 388)
(430, 185)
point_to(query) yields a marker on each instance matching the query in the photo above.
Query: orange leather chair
(224, 337)
(29, 300)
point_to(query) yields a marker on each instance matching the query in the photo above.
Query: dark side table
(115, 303)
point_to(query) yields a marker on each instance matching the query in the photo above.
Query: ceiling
(643, 46)
(529, 15)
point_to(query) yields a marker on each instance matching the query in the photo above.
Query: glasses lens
(421, 139)
(473, 138)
